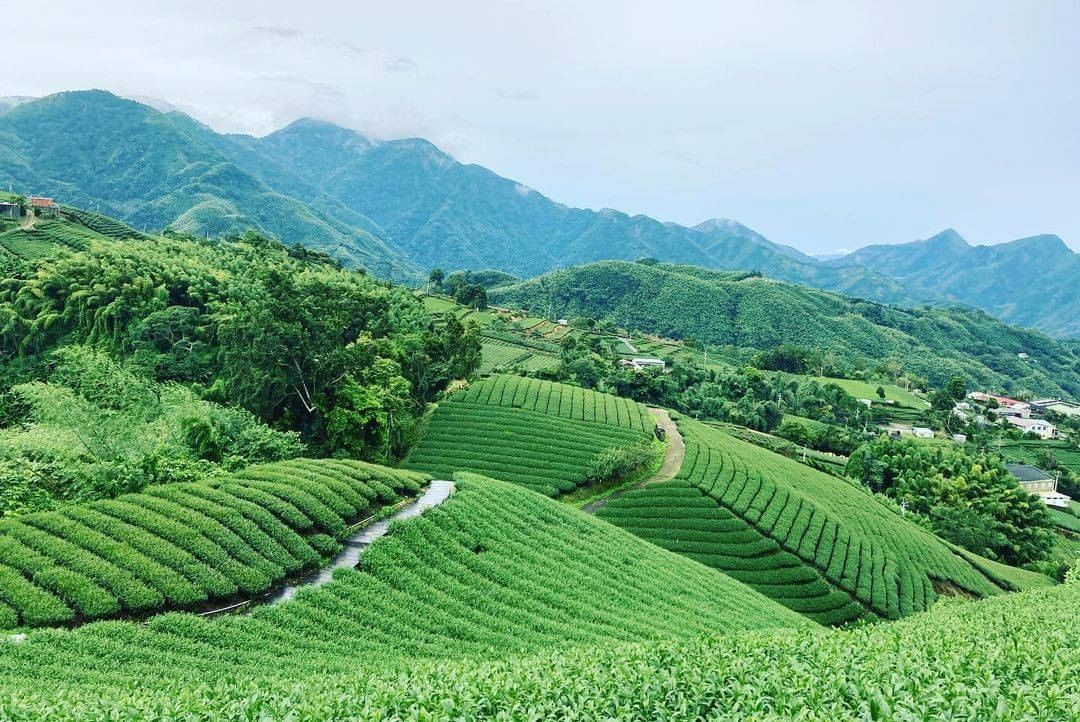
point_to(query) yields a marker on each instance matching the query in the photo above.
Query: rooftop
(1026, 472)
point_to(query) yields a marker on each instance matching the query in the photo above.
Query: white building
(921, 432)
(1044, 429)
(640, 364)
(1036, 481)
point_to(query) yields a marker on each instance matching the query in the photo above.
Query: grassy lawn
(864, 390)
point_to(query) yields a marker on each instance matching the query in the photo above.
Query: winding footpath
(674, 452)
(436, 493)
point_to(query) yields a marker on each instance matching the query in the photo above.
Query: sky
(823, 124)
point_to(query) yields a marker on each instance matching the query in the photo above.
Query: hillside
(740, 310)
(394, 207)
(178, 546)
(399, 207)
(1029, 282)
(815, 543)
(545, 436)
(102, 153)
(576, 626)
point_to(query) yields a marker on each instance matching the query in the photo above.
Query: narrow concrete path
(674, 453)
(436, 493)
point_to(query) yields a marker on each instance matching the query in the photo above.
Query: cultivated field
(546, 436)
(179, 546)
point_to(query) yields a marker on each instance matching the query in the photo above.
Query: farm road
(674, 452)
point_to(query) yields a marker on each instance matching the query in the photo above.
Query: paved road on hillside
(674, 453)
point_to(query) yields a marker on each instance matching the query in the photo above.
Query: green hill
(1030, 281)
(177, 546)
(817, 544)
(495, 571)
(99, 152)
(546, 436)
(502, 605)
(746, 311)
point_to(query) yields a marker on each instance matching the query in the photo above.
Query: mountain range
(741, 310)
(401, 207)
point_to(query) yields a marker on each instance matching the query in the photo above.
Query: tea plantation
(542, 435)
(180, 546)
(500, 604)
(818, 544)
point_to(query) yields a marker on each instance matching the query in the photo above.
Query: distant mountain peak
(948, 237)
(722, 224)
(1043, 243)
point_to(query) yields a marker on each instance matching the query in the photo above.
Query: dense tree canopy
(971, 500)
(292, 338)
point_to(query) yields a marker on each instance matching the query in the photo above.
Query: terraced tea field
(818, 544)
(502, 605)
(539, 434)
(183, 546)
(498, 354)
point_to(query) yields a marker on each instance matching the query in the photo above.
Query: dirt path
(674, 452)
(436, 493)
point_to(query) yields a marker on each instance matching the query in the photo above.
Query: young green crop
(818, 544)
(500, 604)
(179, 546)
(546, 436)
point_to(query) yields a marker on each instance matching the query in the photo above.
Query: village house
(640, 364)
(44, 207)
(921, 432)
(1044, 429)
(1065, 408)
(1036, 481)
(10, 211)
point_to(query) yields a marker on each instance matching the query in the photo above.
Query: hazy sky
(825, 125)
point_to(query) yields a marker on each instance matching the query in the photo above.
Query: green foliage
(725, 309)
(185, 545)
(972, 499)
(95, 430)
(250, 324)
(816, 543)
(546, 436)
(566, 614)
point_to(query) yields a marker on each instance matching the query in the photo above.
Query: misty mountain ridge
(400, 207)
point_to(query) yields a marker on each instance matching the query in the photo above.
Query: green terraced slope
(818, 544)
(494, 571)
(179, 546)
(539, 434)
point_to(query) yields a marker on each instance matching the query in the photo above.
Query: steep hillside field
(178, 546)
(493, 572)
(546, 436)
(818, 544)
(749, 312)
(532, 611)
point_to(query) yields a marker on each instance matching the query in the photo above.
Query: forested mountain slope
(742, 310)
(394, 207)
(94, 150)
(1031, 282)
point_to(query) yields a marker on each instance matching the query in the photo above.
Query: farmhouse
(1044, 429)
(921, 432)
(984, 397)
(10, 211)
(1036, 481)
(44, 207)
(640, 364)
(1065, 408)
